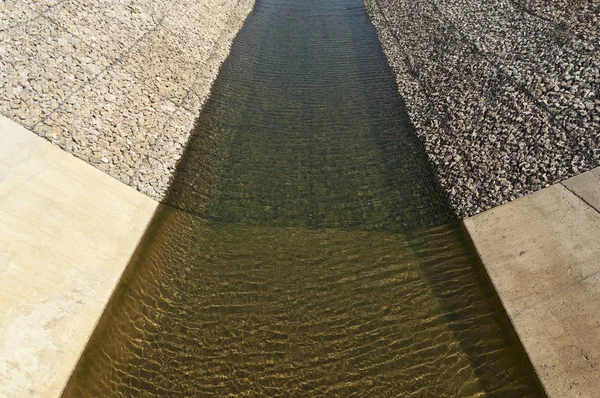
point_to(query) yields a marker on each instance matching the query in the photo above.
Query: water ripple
(305, 248)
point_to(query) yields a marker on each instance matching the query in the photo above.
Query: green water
(305, 248)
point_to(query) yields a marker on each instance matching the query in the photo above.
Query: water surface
(305, 248)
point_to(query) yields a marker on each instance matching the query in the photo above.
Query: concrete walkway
(67, 231)
(542, 253)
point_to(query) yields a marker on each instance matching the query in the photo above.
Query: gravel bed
(504, 94)
(116, 83)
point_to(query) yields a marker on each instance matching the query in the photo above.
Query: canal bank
(116, 84)
(67, 232)
(542, 253)
(503, 93)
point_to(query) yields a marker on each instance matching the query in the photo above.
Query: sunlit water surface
(306, 249)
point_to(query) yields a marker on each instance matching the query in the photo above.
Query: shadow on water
(304, 247)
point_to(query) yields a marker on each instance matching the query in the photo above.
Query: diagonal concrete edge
(67, 232)
(542, 253)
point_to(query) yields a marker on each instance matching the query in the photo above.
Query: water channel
(304, 248)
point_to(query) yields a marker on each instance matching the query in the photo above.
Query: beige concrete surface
(542, 253)
(587, 187)
(67, 231)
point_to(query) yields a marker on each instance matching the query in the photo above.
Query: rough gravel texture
(116, 83)
(505, 94)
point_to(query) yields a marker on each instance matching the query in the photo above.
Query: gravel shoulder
(116, 83)
(504, 94)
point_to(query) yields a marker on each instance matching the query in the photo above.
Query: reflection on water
(306, 249)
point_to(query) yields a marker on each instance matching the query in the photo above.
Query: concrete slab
(587, 187)
(67, 231)
(542, 253)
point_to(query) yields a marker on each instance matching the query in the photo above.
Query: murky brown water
(306, 249)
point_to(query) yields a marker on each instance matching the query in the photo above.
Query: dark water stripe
(305, 249)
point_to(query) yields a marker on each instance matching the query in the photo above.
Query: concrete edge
(67, 233)
(542, 254)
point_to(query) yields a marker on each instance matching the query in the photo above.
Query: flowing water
(305, 248)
